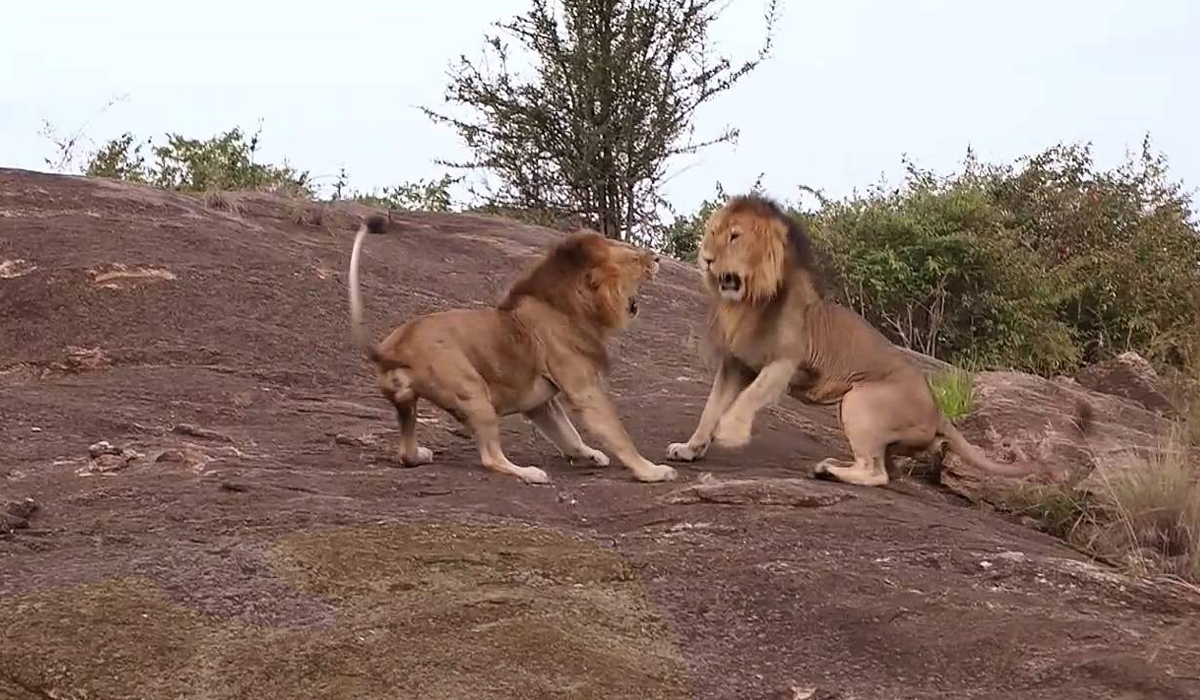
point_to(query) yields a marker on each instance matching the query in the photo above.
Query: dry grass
(1143, 514)
(221, 200)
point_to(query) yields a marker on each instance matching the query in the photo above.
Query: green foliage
(936, 266)
(1122, 244)
(220, 163)
(1040, 266)
(681, 237)
(422, 195)
(954, 393)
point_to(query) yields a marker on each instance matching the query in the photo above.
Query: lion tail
(975, 457)
(374, 224)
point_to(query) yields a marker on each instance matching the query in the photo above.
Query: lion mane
(545, 339)
(774, 332)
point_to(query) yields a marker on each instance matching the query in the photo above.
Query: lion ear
(595, 278)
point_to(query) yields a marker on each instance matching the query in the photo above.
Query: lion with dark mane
(776, 334)
(544, 338)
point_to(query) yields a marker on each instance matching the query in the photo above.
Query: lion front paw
(683, 452)
(532, 475)
(733, 432)
(594, 456)
(423, 455)
(657, 472)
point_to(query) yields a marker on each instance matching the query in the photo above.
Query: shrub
(1122, 243)
(221, 163)
(937, 267)
(1041, 266)
(422, 195)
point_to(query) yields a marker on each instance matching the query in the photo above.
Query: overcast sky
(852, 86)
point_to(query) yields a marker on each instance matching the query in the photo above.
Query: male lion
(775, 333)
(547, 335)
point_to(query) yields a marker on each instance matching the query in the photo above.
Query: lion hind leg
(869, 433)
(397, 386)
(481, 416)
(410, 453)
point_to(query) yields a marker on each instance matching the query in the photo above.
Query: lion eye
(733, 237)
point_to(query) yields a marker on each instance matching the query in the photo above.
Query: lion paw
(532, 475)
(733, 432)
(683, 452)
(424, 455)
(594, 456)
(657, 472)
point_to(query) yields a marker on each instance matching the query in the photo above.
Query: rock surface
(1019, 417)
(252, 553)
(1129, 375)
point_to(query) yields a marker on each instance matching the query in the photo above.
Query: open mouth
(729, 282)
(633, 306)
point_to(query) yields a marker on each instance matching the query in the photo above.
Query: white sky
(852, 86)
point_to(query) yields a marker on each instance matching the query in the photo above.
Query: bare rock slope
(202, 500)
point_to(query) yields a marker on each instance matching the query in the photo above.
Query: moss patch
(430, 612)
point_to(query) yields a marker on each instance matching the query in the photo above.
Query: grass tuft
(954, 393)
(1143, 514)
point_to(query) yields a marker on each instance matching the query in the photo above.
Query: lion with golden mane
(544, 338)
(776, 334)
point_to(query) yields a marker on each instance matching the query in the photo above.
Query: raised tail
(374, 224)
(975, 457)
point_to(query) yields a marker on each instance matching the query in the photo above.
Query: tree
(615, 87)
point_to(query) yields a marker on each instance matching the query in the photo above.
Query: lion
(774, 332)
(545, 338)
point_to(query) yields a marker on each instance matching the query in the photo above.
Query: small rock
(1012, 556)
(22, 508)
(11, 523)
(104, 447)
(14, 515)
(35, 429)
(203, 433)
(108, 463)
(985, 564)
(170, 456)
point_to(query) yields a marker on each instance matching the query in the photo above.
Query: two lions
(776, 335)
(544, 338)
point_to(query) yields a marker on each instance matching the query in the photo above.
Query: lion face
(621, 279)
(590, 278)
(742, 254)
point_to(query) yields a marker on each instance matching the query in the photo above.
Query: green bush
(432, 195)
(221, 163)
(1040, 266)
(1122, 243)
(937, 267)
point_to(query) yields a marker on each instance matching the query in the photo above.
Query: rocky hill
(203, 501)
